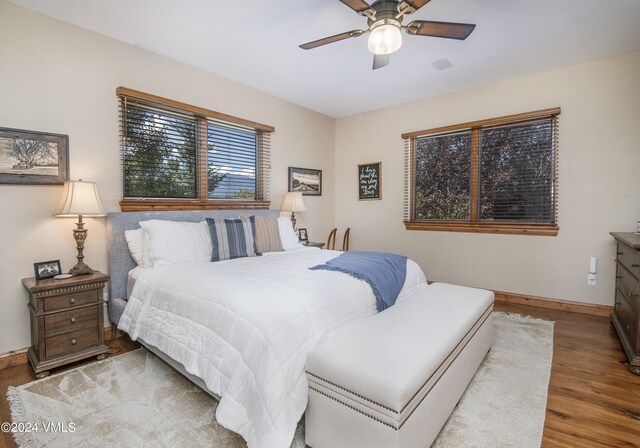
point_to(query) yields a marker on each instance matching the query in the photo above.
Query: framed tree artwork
(30, 157)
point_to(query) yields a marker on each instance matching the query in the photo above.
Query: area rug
(136, 400)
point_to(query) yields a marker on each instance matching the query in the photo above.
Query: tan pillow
(267, 234)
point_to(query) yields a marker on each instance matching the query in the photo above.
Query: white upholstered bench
(392, 380)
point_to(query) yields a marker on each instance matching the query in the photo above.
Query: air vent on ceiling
(442, 64)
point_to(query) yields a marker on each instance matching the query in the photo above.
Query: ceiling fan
(384, 18)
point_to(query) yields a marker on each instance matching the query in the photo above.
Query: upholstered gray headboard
(120, 260)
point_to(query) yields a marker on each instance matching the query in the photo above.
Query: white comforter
(245, 327)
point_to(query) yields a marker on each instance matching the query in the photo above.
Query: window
(490, 176)
(177, 156)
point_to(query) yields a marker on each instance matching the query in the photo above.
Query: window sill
(501, 229)
(136, 205)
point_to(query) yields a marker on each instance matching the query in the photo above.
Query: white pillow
(134, 242)
(146, 261)
(170, 242)
(287, 234)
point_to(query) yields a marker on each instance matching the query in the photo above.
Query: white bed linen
(245, 327)
(132, 277)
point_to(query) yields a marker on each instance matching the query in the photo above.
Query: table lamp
(79, 198)
(293, 203)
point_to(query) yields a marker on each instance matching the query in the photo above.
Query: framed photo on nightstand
(47, 269)
(302, 235)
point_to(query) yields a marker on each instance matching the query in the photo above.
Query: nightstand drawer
(69, 343)
(629, 258)
(70, 300)
(629, 286)
(70, 320)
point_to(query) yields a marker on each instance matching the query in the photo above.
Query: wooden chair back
(345, 240)
(331, 242)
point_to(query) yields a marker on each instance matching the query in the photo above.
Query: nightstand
(312, 244)
(67, 320)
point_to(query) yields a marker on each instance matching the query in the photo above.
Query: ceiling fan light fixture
(385, 37)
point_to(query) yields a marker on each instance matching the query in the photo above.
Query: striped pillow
(267, 234)
(232, 238)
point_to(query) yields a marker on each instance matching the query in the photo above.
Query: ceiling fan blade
(380, 60)
(411, 6)
(331, 39)
(447, 30)
(361, 7)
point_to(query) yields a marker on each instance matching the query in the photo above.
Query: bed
(239, 328)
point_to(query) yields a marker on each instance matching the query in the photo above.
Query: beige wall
(59, 78)
(599, 187)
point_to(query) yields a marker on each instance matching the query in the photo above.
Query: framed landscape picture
(30, 157)
(306, 180)
(370, 181)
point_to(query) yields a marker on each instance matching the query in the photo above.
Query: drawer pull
(618, 277)
(630, 327)
(72, 300)
(73, 320)
(635, 265)
(74, 341)
(618, 253)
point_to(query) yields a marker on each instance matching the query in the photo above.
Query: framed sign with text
(370, 181)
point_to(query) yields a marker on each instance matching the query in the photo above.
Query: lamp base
(80, 235)
(80, 268)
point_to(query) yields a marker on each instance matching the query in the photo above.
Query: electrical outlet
(591, 278)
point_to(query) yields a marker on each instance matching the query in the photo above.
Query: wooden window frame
(202, 202)
(474, 225)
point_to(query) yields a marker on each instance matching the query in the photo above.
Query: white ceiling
(255, 42)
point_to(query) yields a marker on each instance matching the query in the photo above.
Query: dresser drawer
(71, 320)
(69, 343)
(630, 259)
(70, 300)
(629, 286)
(628, 319)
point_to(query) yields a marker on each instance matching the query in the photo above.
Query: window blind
(171, 150)
(442, 176)
(158, 152)
(518, 172)
(231, 161)
(498, 175)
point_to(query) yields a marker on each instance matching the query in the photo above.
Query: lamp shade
(79, 198)
(293, 202)
(385, 37)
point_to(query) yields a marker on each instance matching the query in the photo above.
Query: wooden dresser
(67, 320)
(626, 313)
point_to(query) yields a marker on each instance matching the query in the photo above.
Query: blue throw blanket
(384, 272)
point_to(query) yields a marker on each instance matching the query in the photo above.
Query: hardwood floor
(594, 401)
